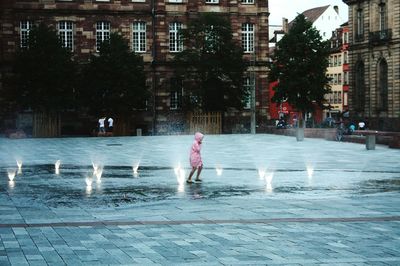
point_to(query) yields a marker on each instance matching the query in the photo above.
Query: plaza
(264, 200)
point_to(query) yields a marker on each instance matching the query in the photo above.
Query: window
(175, 1)
(345, 37)
(139, 37)
(66, 34)
(339, 97)
(248, 37)
(175, 42)
(335, 60)
(247, 1)
(25, 27)
(382, 85)
(339, 60)
(340, 79)
(249, 87)
(102, 33)
(212, 1)
(176, 94)
(360, 26)
(382, 16)
(211, 40)
(345, 78)
(345, 99)
(345, 57)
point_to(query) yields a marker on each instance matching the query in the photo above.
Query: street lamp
(253, 92)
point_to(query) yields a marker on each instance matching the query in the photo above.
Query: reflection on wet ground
(118, 185)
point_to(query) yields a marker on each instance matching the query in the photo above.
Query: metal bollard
(370, 141)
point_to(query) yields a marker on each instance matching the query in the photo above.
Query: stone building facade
(150, 26)
(374, 93)
(338, 71)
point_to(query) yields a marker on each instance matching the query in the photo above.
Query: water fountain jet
(95, 166)
(11, 184)
(180, 174)
(11, 174)
(135, 168)
(19, 164)
(261, 173)
(57, 167)
(268, 179)
(310, 171)
(98, 173)
(219, 170)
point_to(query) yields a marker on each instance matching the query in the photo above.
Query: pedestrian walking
(195, 158)
(101, 125)
(110, 124)
(361, 125)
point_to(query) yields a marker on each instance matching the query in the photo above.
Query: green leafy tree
(43, 80)
(114, 82)
(211, 65)
(299, 64)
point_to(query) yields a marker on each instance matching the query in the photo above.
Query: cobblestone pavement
(264, 200)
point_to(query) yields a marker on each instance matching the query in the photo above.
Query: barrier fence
(207, 123)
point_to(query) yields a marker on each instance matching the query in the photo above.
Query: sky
(290, 8)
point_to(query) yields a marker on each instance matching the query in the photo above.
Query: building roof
(312, 14)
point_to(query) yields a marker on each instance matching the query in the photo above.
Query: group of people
(102, 125)
(349, 129)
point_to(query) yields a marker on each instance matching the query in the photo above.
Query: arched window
(382, 94)
(359, 88)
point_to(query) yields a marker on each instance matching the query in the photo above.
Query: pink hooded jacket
(195, 157)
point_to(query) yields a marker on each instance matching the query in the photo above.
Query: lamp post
(253, 93)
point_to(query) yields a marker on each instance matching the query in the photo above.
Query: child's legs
(199, 171)
(191, 173)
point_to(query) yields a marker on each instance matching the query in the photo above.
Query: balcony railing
(381, 36)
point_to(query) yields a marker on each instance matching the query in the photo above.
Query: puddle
(379, 186)
(119, 186)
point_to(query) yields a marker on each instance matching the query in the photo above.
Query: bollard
(370, 141)
(299, 134)
(138, 132)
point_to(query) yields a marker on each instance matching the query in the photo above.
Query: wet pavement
(264, 200)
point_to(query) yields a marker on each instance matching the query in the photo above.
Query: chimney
(285, 25)
(336, 9)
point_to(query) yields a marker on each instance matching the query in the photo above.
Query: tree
(114, 82)
(299, 64)
(212, 65)
(43, 80)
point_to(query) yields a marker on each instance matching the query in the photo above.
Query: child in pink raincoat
(195, 157)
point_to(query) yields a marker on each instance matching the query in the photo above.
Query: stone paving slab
(328, 203)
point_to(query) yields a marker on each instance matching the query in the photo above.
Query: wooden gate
(206, 123)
